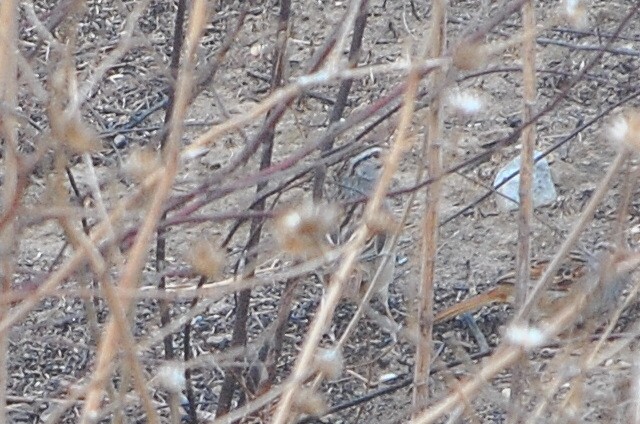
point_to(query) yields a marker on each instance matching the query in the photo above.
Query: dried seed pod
(382, 223)
(310, 402)
(73, 133)
(141, 163)
(625, 129)
(302, 230)
(330, 362)
(206, 259)
(470, 56)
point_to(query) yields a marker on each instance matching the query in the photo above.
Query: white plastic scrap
(544, 191)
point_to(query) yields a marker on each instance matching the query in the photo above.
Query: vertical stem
(433, 159)
(243, 298)
(165, 307)
(10, 186)
(525, 213)
(204, 79)
(282, 319)
(343, 93)
(188, 355)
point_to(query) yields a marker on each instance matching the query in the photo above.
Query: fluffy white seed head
(330, 362)
(575, 13)
(302, 230)
(624, 130)
(466, 103)
(525, 337)
(618, 129)
(171, 377)
(308, 401)
(292, 220)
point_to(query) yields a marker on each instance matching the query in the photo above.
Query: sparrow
(603, 276)
(357, 179)
(576, 266)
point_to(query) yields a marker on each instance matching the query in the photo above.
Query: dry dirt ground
(52, 349)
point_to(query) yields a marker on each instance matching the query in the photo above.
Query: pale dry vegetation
(178, 242)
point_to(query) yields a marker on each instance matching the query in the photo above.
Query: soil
(52, 350)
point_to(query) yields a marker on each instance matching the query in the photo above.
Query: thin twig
(343, 94)
(432, 154)
(592, 48)
(160, 263)
(525, 211)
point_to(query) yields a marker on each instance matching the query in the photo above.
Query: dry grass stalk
(432, 152)
(525, 212)
(100, 268)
